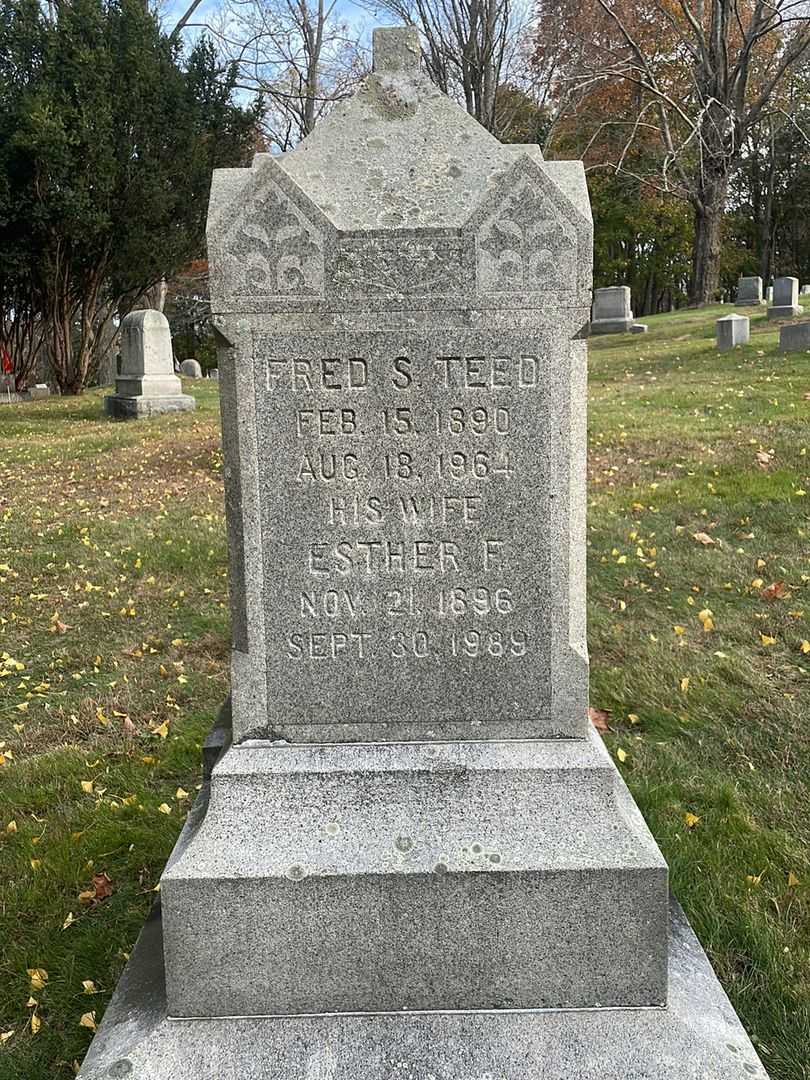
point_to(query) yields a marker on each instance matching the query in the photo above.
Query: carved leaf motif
(276, 251)
(524, 246)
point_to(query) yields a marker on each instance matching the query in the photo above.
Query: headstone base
(611, 326)
(363, 878)
(133, 408)
(788, 311)
(697, 1036)
(639, 328)
(749, 303)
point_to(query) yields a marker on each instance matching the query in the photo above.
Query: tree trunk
(709, 212)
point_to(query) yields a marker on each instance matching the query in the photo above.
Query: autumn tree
(687, 80)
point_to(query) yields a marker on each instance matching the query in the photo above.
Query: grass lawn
(114, 646)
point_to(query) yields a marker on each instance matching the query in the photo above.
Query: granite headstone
(795, 337)
(146, 384)
(749, 291)
(785, 299)
(416, 859)
(732, 330)
(611, 310)
(191, 369)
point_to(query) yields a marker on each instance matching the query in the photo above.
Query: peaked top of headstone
(399, 153)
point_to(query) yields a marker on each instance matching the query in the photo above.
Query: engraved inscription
(396, 478)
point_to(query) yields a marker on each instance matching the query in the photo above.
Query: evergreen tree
(105, 163)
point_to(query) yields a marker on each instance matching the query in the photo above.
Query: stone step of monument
(696, 1037)
(344, 873)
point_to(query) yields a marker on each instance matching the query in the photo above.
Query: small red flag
(5, 362)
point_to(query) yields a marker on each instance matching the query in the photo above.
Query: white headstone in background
(147, 383)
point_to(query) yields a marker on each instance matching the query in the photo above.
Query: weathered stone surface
(214, 374)
(795, 337)
(146, 384)
(784, 299)
(732, 330)
(403, 398)
(346, 893)
(611, 311)
(639, 328)
(749, 291)
(39, 391)
(697, 1037)
(191, 369)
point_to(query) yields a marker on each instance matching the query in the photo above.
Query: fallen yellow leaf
(88, 1020)
(36, 1023)
(38, 977)
(164, 808)
(805, 646)
(767, 640)
(691, 820)
(684, 684)
(621, 755)
(793, 881)
(89, 986)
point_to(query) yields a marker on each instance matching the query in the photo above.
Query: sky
(352, 13)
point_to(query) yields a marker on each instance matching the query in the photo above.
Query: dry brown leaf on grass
(775, 591)
(599, 718)
(704, 538)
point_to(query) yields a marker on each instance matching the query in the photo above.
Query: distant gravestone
(214, 374)
(749, 291)
(795, 337)
(418, 859)
(769, 294)
(611, 310)
(732, 330)
(39, 392)
(146, 384)
(805, 290)
(191, 369)
(785, 299)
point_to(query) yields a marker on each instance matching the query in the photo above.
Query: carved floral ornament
(519, 241)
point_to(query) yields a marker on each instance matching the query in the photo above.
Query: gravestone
(39, 391)
(805, 290)
(416, 858)
(191, 369)
(611, 310)
(146, 384)
(214, 374)
(749, 291)
(769, 295)
(732, 330)
(795, 337)
(785, 299)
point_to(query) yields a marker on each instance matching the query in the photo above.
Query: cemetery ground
(114, 650)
